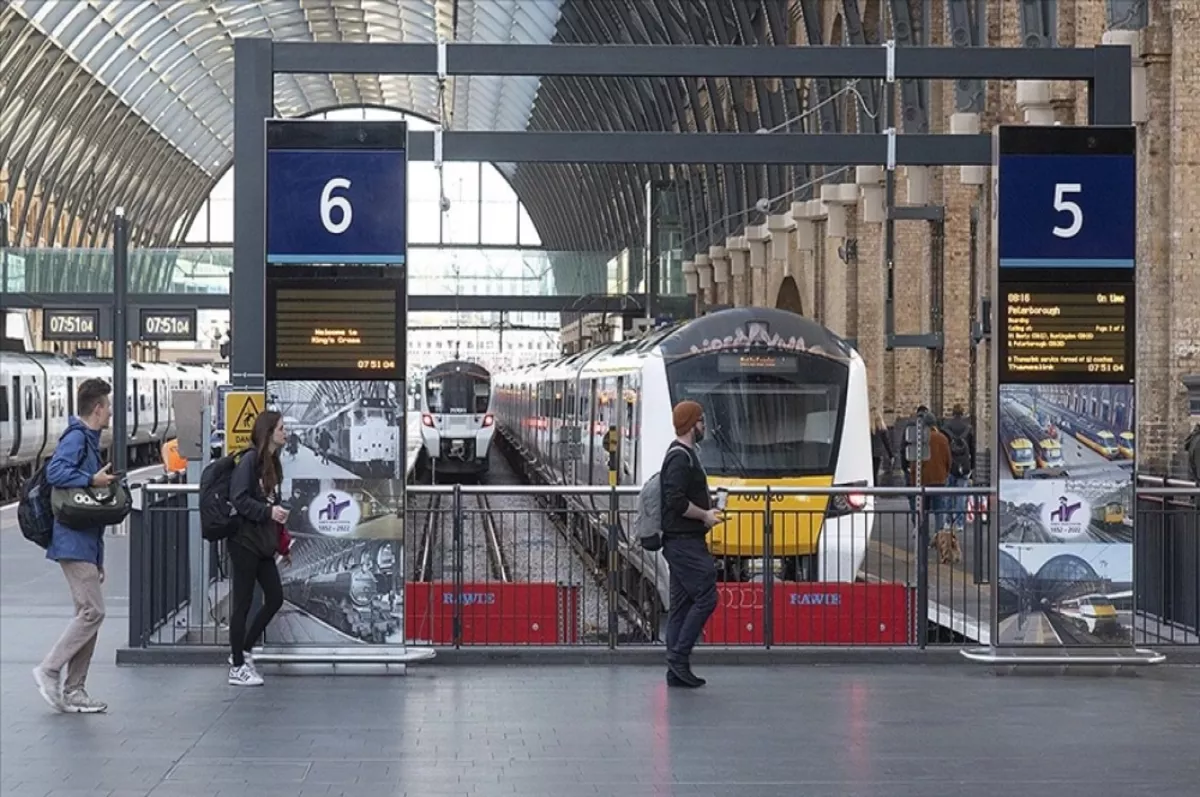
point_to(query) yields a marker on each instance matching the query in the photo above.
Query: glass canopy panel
(172, 62)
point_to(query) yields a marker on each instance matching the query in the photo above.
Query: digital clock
(166, 325)
(337, 324)
(63, 324)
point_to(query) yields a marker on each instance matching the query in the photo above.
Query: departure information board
(1051, 334)
(334, 327)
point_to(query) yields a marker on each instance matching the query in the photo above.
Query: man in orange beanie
(687, 515)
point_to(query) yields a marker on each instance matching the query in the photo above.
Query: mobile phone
(722, 498)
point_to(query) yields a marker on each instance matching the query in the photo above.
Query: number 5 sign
(1066, 198)
(336, 192)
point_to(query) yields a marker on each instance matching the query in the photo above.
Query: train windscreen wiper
(724, 445)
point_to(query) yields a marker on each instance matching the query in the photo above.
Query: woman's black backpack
(218, 516)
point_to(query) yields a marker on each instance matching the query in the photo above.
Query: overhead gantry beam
(256, 61)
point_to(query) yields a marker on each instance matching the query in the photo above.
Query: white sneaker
(77, 701)
(49, 687)
(244, 676)
(246, 657)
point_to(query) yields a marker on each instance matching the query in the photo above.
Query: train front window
(453, 395)
(1023, 455)
(764, 419)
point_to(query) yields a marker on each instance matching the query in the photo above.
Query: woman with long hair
(254, 491)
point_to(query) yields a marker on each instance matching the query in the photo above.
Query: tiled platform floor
(801, 731)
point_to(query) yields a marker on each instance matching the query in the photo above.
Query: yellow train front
(785, 404)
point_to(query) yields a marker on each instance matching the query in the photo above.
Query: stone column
(720, 266)
(806, 215)
(1033, 98)
(704, 271)
(967, 124)
(738, 249)
(780, 226)
(691, 283)
(838, 199)
(757, 238)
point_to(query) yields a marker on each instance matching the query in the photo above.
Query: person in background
(80, 554)
(935, 471)
(962, 464)
(254, 491)
(881, 447)
(687, 516)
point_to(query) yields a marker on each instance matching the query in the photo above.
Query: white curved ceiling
(172, 60)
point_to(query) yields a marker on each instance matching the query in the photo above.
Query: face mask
(698, 434)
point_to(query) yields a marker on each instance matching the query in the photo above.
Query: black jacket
(683, 480)
(256, 531)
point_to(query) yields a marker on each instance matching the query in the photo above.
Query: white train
(786, 405)
(456, 419)
(363, 436)
(37, 397)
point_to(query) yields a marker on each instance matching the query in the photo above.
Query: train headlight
(426, 419)
(488, 420)
(846, 503)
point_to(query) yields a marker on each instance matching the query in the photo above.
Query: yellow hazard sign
(241, 410)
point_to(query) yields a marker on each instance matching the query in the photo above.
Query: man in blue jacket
(80, 554)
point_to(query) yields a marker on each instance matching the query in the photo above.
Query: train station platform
(472, 730)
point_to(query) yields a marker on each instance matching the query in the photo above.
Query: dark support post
(253, 86)
(614, 565)
(137, 575)
(768, 620)
(120, 419)
(1110, 91)
(457, 553)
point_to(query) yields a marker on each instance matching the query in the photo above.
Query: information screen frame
(1075, 233)
(48, 313)
(1099, 377)
(147, 313)
(331, 280)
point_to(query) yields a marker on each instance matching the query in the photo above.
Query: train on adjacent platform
(785, 403)
(457, 423)
(37, 398)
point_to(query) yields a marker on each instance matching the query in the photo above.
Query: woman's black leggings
(249, 567)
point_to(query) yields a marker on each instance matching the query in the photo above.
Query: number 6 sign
(336, 192)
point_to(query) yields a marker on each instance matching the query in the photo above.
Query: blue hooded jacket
(76, 459)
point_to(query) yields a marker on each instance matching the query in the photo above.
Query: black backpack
(218, 517)
(960, 455)
(34, 513)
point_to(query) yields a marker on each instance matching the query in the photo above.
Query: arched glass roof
(130, 102)
(172, 62)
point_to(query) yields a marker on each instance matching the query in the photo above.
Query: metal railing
(553, 566)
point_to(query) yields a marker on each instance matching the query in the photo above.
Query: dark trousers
(693, 593)
(249, 567)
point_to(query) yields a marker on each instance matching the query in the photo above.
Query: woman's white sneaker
(244, 676)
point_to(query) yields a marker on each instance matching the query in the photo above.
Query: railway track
(497, 561)
(580, 526)
(429, 555)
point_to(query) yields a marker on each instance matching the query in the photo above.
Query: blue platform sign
(1067, 211)
(336, 206)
